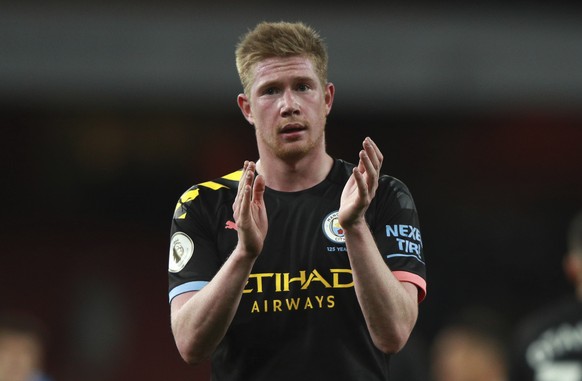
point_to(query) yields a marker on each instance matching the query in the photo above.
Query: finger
(370, 150)
(244, 206)
(368, 154)
(259, 189)
(361, 183)
(361, 167)
(245, 197)
(243, 182)
(374, 152)
(250, 174)
(236, 201)
(371, 172)
(244, 169)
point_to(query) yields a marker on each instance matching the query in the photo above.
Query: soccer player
(548, 343)
(298, 266)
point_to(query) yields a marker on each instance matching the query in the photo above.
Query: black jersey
(299, 317)
(548, 345)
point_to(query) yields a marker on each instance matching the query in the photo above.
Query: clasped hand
(250, 213)
(361, 186)
(249, 210)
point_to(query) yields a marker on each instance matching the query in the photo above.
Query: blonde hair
(280, 39)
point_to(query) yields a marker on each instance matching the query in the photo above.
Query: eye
(270, 91)
(303, 87)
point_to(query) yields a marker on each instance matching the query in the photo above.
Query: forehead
(275, 68)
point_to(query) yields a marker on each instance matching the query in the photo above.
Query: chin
(292, 154)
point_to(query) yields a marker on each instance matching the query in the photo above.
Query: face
(460, 356)
(19, 357)
(288, 107)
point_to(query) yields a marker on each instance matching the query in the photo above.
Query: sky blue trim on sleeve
(186, 287)
(405, 255)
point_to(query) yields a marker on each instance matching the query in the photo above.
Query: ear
(329, 92)
(245, 107)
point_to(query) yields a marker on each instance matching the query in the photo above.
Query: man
(298, 265)
(548, 344)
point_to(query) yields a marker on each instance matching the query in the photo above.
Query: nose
(289, 104)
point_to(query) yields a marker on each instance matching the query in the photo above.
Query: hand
(250, 214)
(361, 186)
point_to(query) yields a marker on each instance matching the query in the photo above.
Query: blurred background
(110, 110)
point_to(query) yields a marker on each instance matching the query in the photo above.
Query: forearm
(200, 323)
(390, 307)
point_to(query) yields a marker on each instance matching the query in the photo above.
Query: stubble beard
(295, 151)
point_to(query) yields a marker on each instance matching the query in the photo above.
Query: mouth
(292, 128)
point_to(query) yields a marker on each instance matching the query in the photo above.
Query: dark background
(108, 112)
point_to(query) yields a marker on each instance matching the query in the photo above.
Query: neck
(296, 175)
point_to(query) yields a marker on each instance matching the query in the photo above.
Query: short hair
(279, 39)
(575, 235)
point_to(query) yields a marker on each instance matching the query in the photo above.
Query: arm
(390, 307)
(200, 319)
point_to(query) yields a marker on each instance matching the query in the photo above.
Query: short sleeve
(193, 257)
(396, 229)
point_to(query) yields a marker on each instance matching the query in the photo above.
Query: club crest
(332, 229)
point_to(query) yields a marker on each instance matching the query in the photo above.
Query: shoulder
(395, 188)
(214, 191)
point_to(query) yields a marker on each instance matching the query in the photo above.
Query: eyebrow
(276, 82)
